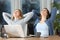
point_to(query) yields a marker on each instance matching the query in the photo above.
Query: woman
(18, 18)
(44, 23)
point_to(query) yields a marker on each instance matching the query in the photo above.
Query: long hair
(48, 16)
(20, 14)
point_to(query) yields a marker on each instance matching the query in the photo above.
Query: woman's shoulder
(38, 19)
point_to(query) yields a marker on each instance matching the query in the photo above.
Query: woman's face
(16, 13)
(44, 13)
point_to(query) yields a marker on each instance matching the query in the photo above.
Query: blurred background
(28, 5)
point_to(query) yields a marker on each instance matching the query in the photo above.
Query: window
(28, 5)
(4, 7)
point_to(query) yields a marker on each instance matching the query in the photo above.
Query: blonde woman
(18, 18)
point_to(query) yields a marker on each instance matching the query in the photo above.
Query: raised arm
(28, 16)
(36, 21)
(53, 14)
(34, 11)
(6, 17)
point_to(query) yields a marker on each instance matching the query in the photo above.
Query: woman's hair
(20, 14)
(48, 16)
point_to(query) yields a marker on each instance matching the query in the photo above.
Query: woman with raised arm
(18, 18)
(44, 24)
